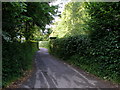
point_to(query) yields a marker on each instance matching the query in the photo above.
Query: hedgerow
(102, 54)
(97, 51)
(16, 59)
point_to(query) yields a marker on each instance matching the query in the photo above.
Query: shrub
(16, 58)
(101, 53)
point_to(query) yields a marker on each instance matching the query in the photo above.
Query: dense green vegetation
(23, 20)
(88, 36)
(17, 58)
(23, 23)
(44, 44)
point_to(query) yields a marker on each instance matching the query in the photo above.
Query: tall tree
(72, 21)
(20, 18)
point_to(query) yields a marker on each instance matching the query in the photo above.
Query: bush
(17, 58)
(44, 44)
(100, 54)
(67, 46)
(99, 51)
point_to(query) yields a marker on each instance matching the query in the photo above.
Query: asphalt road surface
(53, 73)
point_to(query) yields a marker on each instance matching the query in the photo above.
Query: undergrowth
(16, 59)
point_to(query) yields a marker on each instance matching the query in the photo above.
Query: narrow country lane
(53, 73)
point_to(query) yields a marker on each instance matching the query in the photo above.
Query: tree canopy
(84, 17)
(19, 18)
(89, 37)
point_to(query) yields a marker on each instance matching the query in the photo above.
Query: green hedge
(16, 58)
(96, 55)
(98, 52)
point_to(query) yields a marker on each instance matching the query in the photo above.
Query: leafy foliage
(17, 58)
(19, 18)
(44, 44)
(22, 20)
(72, 21)
(97, 51)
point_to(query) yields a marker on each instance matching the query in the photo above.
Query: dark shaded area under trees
(19, 20)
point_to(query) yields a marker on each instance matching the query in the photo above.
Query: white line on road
(90, 81)
(54, 83)
(25, 86)
(37, 82)
(51, 74)
(45, 80)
